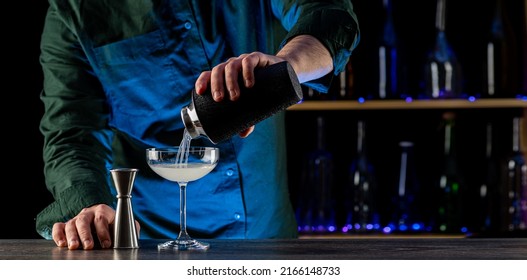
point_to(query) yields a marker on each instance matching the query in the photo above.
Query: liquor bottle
(316, 211)
(514, 198)
(309, 93)
(487, 221)
(346, 83)
(360, 193)
(501, 56)
(449, 186)
(443, 76)
(389, 65)
(406, 213)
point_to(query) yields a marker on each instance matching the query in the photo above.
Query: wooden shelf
(404, 105)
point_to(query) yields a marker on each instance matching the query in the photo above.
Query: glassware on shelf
(310, 94)
(389, 76)
(345, 89)
(449, 186)
(406, 214)
(443, 76)
(514, 197)
(316, 211)
(501, 56)
(361, 212)
(487, 220)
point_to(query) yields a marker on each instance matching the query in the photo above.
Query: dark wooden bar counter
(366, 248)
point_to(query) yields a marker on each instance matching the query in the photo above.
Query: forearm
(309, 57)
(77, 140)
(316, 28)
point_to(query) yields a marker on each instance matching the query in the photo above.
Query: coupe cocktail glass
(183, 165)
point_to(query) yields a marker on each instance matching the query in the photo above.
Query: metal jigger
(125, 233)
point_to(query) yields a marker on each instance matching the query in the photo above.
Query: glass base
(184, 245)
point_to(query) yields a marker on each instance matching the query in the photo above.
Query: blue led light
(472, 98)
(408, 99)
(361, 100)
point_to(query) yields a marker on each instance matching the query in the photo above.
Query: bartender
(116, 76)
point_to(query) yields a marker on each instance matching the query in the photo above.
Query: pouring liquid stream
(181, 170)
(182, 155)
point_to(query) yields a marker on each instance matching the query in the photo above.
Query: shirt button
(237, 216)
(229, 172)
(188, 25)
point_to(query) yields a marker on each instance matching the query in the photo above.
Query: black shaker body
(276, 88)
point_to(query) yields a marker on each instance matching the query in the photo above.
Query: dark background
(466, 27)
(24, 193)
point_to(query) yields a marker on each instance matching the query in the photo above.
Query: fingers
(231, 73)
(224, 77)
(101, 223)
(77, 232)
(58, 234)
(246, 132)
(201, 83)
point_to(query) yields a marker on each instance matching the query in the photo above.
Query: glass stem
(183, 235)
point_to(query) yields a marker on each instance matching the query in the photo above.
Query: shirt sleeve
(77, 139)
(333, 23)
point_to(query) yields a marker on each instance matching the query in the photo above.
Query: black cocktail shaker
(276, 87)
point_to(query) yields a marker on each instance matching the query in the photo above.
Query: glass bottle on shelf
(501, 58)
(345, 90)
(450, 216)
(443, 75)
(312, 94)
(360, 193)
(514, 199)
(316, 211)
(489, 186)
(406, 213)
(389, 67)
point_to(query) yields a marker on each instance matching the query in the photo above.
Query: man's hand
(224, 77)
(308, 57)
(78, 230)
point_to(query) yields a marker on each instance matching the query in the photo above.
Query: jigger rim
(123, 169)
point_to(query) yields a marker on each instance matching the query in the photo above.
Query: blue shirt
(116, 75)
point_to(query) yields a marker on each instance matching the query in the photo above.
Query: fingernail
(86, 244)
(248, 83)
(233, 94)
(106, 244)
(62, 243)
(72, 243)
(217, 96)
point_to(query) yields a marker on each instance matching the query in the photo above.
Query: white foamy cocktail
(182, 172)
